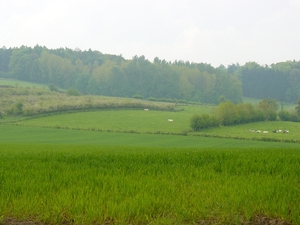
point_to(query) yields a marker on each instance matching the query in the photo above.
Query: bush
(203, 121)
(16, 109)
(152, 99)
(137, 96)
(52, 87)
(287, 116)
(272, 116)
(73, 92)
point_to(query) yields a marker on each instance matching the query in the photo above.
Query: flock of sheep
(266, 132)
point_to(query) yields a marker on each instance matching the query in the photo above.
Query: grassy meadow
(19, 83)
(134, 167)
(121, 120)
(156, 122)
(12, 134)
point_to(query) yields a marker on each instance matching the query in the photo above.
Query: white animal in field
(170, 120)
(286, 131)
(252, 131)
(265, 132)
(279, 131)
(146, 109)
(258, 131)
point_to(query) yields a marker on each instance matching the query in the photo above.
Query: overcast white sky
(209, 31)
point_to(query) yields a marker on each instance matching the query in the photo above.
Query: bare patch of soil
(257, 220)
(12, 221)
(263, 220)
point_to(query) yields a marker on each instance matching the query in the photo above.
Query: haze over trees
(92, 72)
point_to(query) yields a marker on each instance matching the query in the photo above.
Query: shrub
(284, 115)
(203, 121)
(73, 92)
(137, 96)
(272, 116)
(287, 116)
(52, 87)
(16, 109)
(152, 99)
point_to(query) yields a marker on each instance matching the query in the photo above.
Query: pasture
(156, 122)
(123, 120)
(93, 184)
(135, 167)
(242, 131)
(19, 83)
(35, 135)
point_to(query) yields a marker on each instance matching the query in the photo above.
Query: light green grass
(60, 184)
(27, 135)
(123, 120)
(19, 83)
(242, 131)
(141, 121)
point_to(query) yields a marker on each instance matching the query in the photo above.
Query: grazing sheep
(146, 109)
(252, 131)
(258, 131)
(286, 131)
(265, 132)
(170, 120)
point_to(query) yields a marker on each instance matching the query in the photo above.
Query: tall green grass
(76, 184)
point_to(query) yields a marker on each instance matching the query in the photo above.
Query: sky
(217, 32)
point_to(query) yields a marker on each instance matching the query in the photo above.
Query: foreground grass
(79, 184)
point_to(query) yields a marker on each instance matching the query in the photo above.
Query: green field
(140, 121)
(135, 167)
(19, 83)
(28, 135)
(92, 184)
(121, 120)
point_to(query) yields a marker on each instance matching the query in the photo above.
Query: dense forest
(92, 72)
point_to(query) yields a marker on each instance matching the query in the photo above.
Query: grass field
(242, 131)
(118, 120)
(30, 135)
(86, 184)
(19, 83)
(141, 121)
(125, 167)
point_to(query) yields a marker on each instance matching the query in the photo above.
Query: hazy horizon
(214, 32)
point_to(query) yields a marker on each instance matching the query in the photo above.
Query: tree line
(280, 81)
(92, 72)
(228, 113)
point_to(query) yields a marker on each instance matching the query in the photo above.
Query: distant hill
(92, 72)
